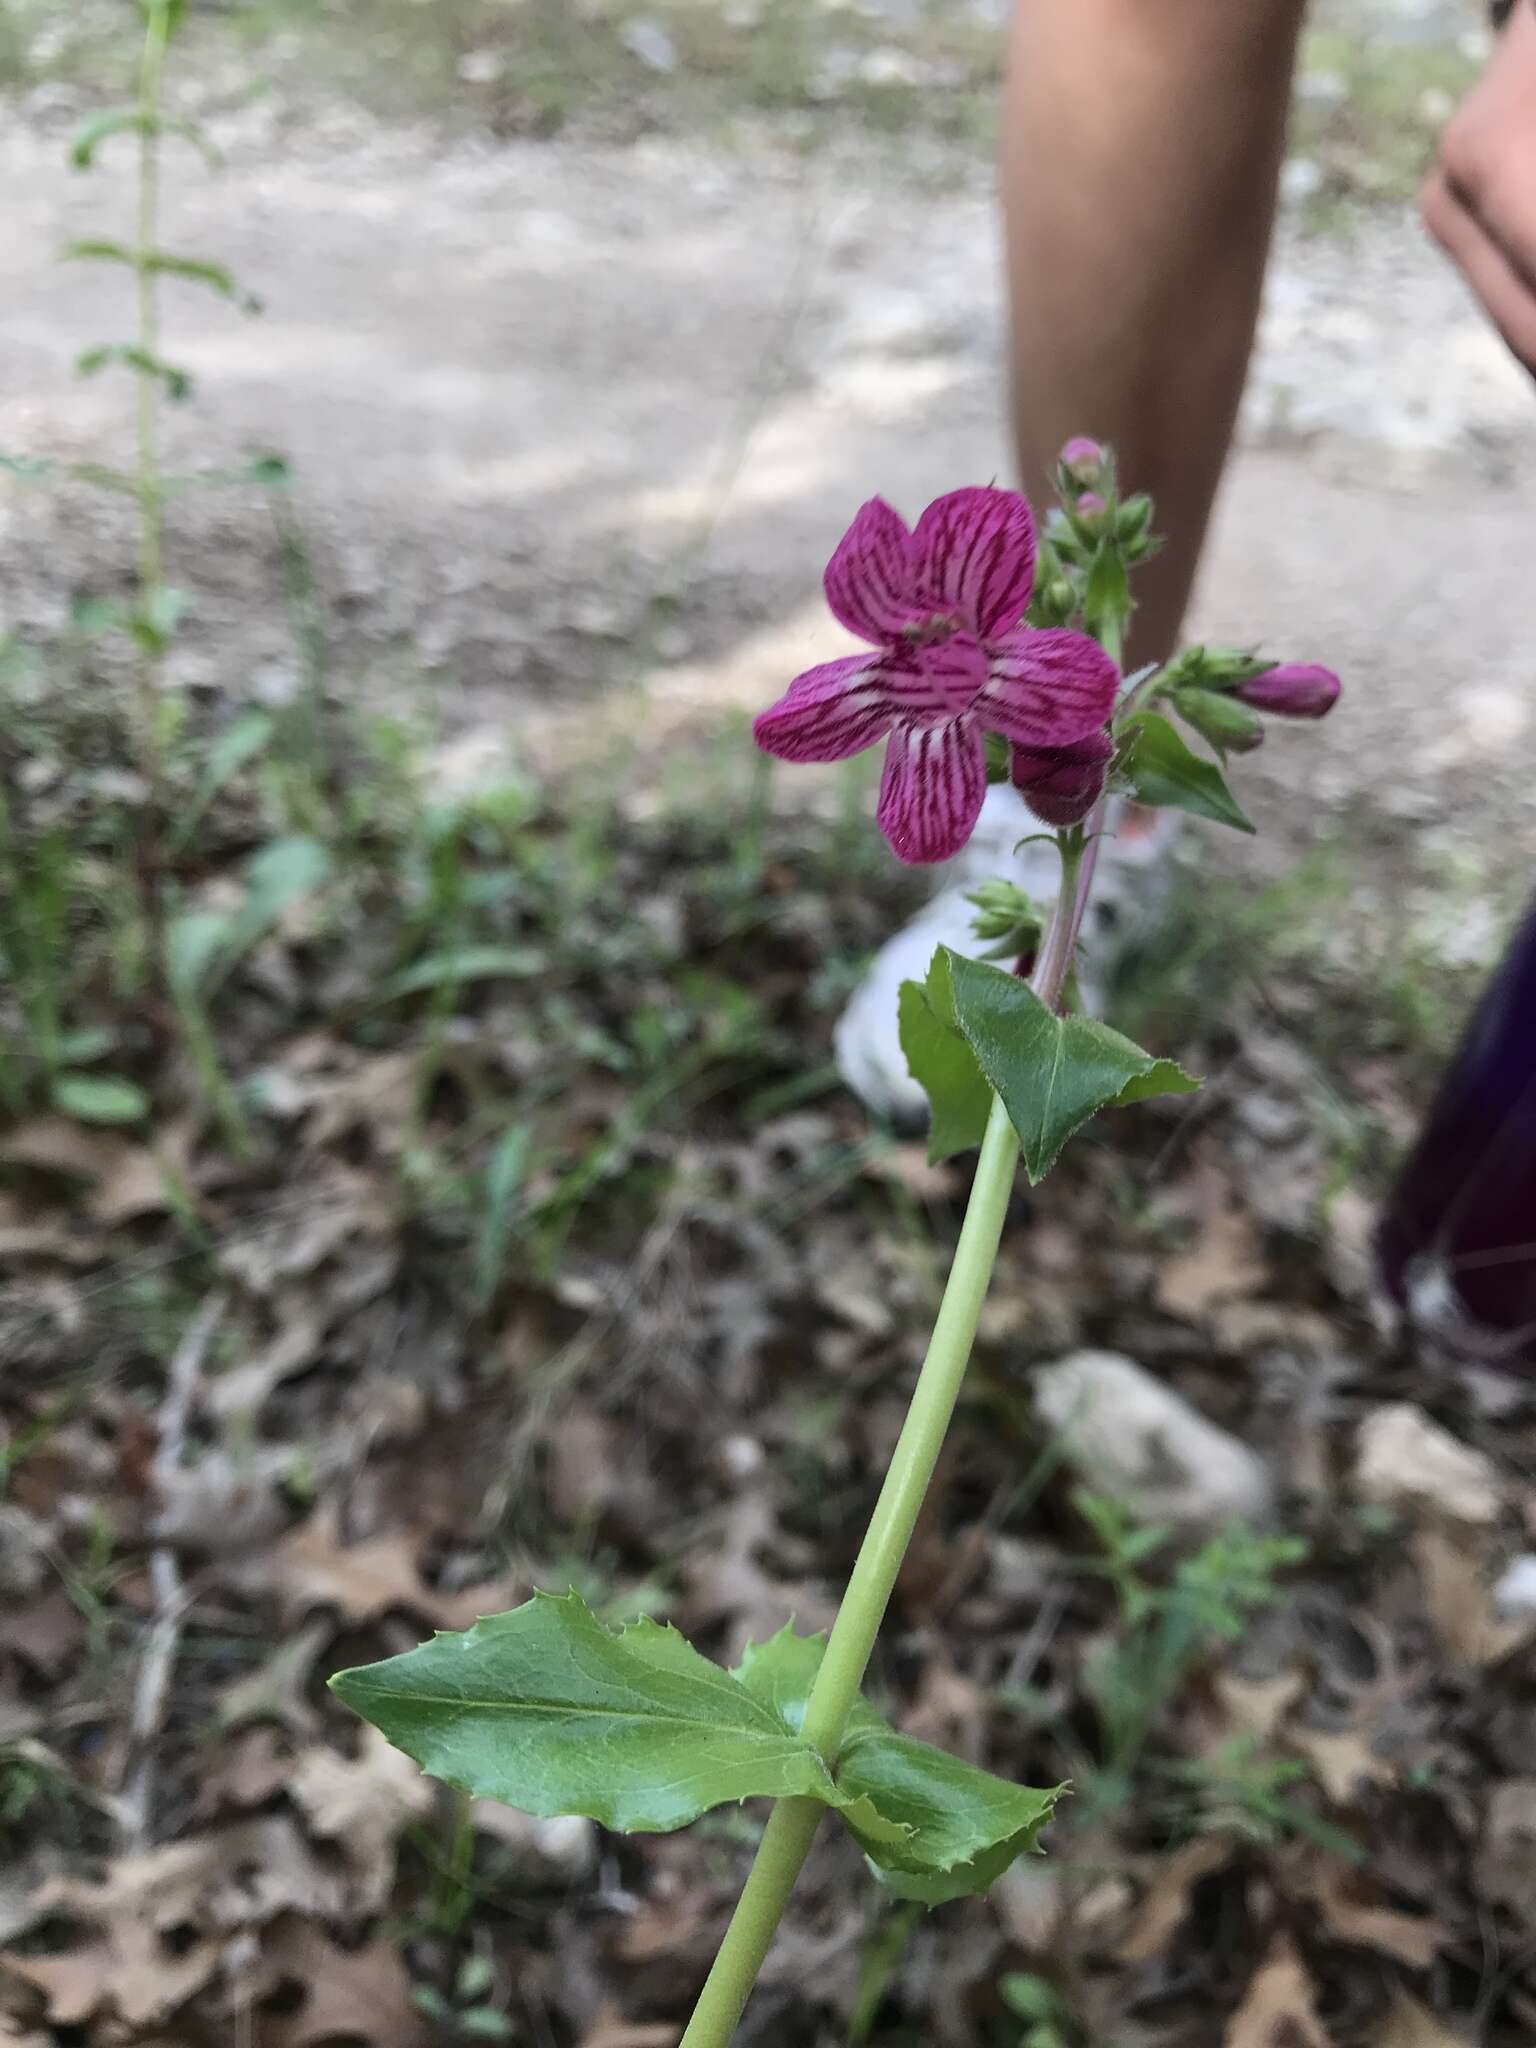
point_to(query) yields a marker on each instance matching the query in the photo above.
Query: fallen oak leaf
(1353, 1911)
(1279, 2008)
(1166, 1902)
(362, 1805)
(363, 1993)
(1411, 2025)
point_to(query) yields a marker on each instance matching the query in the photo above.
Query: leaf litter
(666, 1379)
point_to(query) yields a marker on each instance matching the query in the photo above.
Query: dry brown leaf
(247, 1771)
(611, 2030)
(363, 1581)
(1254, 1708)
(1504, 1870)
(275, 1690)
(1279, 2008)
(1166, 1902)
(1342, 1761)
(362, 1806)
(1410, 2025)
(75, 1984)
(1352, 1909)
(909, 1167)
(126, 1179)
(153, 1930)
(1461, 1605)
(1405, 1460)
(1222, 1262)
(47, 1633)
(362, 1993)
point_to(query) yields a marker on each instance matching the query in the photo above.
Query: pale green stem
(793, 1823)
(150, 487)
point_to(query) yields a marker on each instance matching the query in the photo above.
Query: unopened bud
(1061, 785)
(1134, 517)
(1089, 515)
(1295, 690)
(1003, 911)
(1221, 720)
(1082, 462)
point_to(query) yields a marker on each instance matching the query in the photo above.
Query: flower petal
(930, 796)
(974, 553)
(869, 581)
(933, 682)
(828, 713)
(1047, 688)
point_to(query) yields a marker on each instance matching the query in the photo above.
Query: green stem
(793, 1823)
(787, 1838)
(150, 489)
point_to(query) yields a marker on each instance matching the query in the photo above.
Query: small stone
(1514, 1597)
(1404, 1460)
(650, 42)
(1302, 179)
(482, 67)
(743, 1457)
(1146, 1447)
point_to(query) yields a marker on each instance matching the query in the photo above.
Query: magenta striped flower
(941, 606)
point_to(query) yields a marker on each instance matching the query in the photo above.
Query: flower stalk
(793, 1823)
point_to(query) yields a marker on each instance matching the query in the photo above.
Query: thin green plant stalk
(150, 483)
(793, 1823)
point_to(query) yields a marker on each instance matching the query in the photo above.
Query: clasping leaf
(971, 1029)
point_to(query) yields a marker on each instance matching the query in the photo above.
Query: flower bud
(1133, 518)
(1006, 916)
(1297, 689)
(1221, 720)
(1082, 463)
(1090, 515)
(1061, 785)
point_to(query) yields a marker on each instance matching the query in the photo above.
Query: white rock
(564, 1847)
(649, 41)
(1404, 1460)
(1133, 1438)
(1301, 179)
(1514, 1597)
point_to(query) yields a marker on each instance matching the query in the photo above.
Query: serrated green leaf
(99, 1099)
(1165, 772)
(549, 1711)
(1052, 1072)
(178, 384)
(942, 1063)
(934, 1827)
(966, 1826)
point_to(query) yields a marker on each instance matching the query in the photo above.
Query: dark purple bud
(1061, 785)
(1299, 689)
(1457, 1244)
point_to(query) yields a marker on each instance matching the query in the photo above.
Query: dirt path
(564, 419)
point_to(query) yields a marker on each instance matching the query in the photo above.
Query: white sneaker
(1129, 892)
